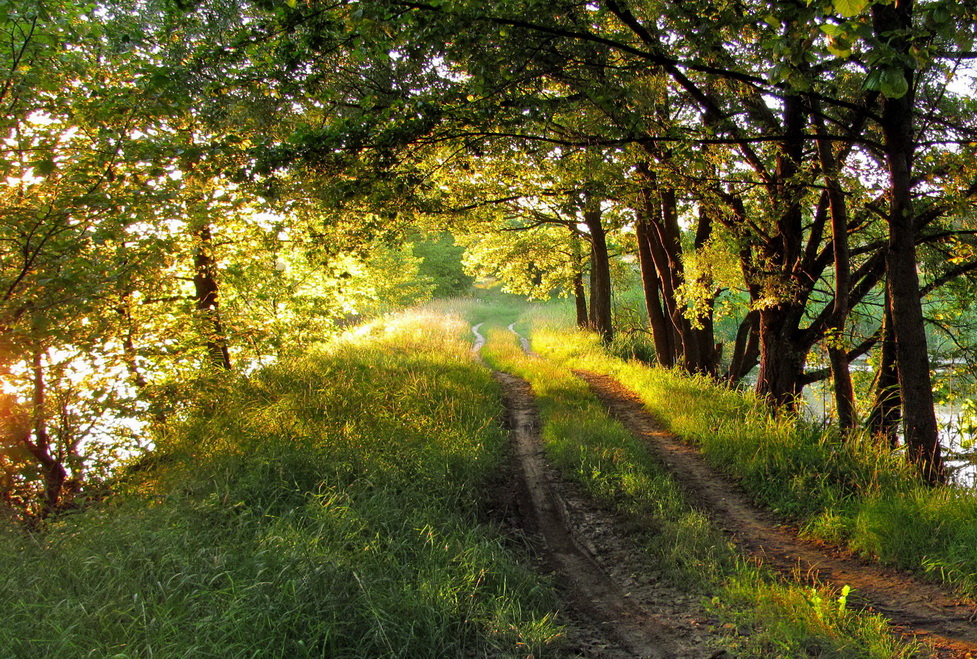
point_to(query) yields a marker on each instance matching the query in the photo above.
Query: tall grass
(326, 507)
(855, 492)
(763, 616)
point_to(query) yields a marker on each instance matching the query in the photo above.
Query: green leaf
(873, 81)
(850, 8)
(45, 167)
(839, 47)
(893, 83)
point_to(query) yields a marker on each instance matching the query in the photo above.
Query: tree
(743, 130)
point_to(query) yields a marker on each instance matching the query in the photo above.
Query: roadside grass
(325, 507)
(761, 614)
(853, 493)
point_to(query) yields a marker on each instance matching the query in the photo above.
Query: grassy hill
(326, 507)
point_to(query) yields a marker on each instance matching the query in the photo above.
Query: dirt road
(916, 609)
(618, 603)
(619, 607)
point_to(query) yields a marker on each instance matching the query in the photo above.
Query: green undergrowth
(762, 614)
(325, 507)
(853, 493)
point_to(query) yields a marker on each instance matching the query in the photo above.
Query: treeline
(192, 187)
(814, 157)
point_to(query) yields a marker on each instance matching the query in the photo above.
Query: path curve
(523, 341)
(479, 339)
(916, 609)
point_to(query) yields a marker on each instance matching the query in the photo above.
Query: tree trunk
(666, 250)
(600, 273)
(579, 292)
(129, 353)
(52, 470)
(841, 374)
(885, 415)
(205, 296)
(781, 358)
(580, 300)
(662, 331)
(662, 237)
(844, 391)
(919, 418)
(782, 350)
(746, 349)
(704, 356)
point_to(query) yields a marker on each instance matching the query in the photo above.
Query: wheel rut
(617, 603)
(590, 591)
(916, 609)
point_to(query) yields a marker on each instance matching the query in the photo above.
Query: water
(960, 458)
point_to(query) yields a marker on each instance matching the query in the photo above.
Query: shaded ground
(917, 609)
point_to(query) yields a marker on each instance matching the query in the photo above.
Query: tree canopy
(195, 188)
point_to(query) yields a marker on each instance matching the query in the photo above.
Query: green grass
(854, 493)
(761, 614)
(327, 507)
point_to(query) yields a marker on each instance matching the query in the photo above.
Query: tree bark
(915, 385)
(844, 392)
(660, 243)
(52, 470)
(580, 300)
(783, 350)
(781, 357)
(579, 292)
(600, 272)
(885, 415)
(704, 356)
(206, 298)
(662, 331)
(746, 348)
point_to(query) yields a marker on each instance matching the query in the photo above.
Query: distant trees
(766, 119)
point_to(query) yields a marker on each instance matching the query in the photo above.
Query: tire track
(916, 609)
(593, 596)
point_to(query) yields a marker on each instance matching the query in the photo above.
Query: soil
(613, 596)
(617, 605)
(616, 602)
(915, 608)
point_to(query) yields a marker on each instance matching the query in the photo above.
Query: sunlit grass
(760, 615)
(856, 493)
(329, 506)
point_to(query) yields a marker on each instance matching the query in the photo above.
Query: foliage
(442, 264)
(853, 493)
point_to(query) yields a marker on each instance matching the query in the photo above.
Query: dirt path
(618, 603)
(916, 609)
(619, 607)
(479, 339)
